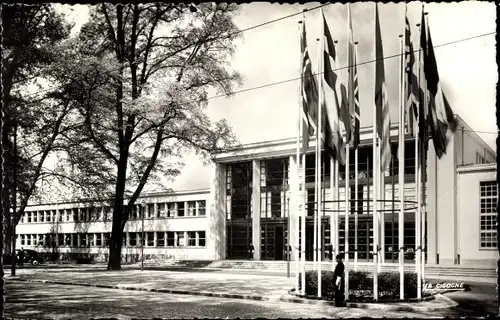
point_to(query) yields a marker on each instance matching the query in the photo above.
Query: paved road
(480, 301)
(35, 300)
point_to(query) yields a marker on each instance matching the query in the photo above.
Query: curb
(376, 306)
(283, 298)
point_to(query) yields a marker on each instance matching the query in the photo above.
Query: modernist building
(253, 200)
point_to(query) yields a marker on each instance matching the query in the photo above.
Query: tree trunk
(115, 248)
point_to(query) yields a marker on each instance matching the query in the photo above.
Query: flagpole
(332, 222)
(401, 173)
(297, 161)
(417, 181)
(347, 184)
(318, 158)
(316, 168)
(356, 186)
(337, 207)
(424, 203)
(303, 225)
(375, 187)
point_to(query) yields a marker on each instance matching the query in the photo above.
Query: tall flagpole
(417, 183)
(356, 185)
(337, 207)
(424, 202)
(375, 186)
(333, 226)
(318, 158)
(401, 175)
(316, 169)
(347, 185)
(297, 161)
(303, 225)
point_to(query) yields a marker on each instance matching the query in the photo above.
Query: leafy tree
(141, 83)
(30, 34)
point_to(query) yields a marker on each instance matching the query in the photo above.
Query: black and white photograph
(249, 160)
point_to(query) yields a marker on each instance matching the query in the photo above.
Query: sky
(270, 54)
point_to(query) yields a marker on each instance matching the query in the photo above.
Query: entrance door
(267, 240)
(279, 248)
(309, 242)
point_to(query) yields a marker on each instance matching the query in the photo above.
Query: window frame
(488, 197)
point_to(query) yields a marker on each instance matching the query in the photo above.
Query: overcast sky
(269, 54)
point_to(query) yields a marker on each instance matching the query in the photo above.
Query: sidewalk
(212, 284)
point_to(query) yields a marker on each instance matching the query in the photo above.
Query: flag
(381, 99)
(309, 92)
(441, 117)
(334, 145)
(411, 82)
(353, 87)
(423, 99)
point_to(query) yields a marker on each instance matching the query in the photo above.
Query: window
(23, 237)
(150, 239)
(46, 215)
(67, 240)
(160, 239)
(201, 238)
(132, 241)
(171, 209)
(151, 210)
(75, 214)
(83, 240)
(181, 241)
(91, 240)
(98, 240)
(107, 239)
(191, 236)
(489, 195)
(60, 215)
(28, 239)
(191, 209)
(170, 239)
(180, 209)
(60, 239)
(133, 213)
(82, 213)
(28, 217)
(162, 210)
(74, 239)
(35, 216)
(202, 208)
(34, 239)
(479, 158)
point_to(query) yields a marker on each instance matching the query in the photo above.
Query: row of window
(151, 211)
(130, 239)
(488, 214)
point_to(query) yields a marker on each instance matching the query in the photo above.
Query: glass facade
(238, 209)
(274, 194)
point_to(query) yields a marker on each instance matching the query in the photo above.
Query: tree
(142, 87)
(30, 34)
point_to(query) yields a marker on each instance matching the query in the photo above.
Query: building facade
(254, 198)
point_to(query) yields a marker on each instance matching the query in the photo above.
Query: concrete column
(432, 215)
(256, 208)
(293, 211)
(446, 207)
(216, 213)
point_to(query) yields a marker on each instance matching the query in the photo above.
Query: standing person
(21, 257)
(250, 251)
(338, 275)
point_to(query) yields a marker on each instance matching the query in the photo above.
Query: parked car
(30, 256)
